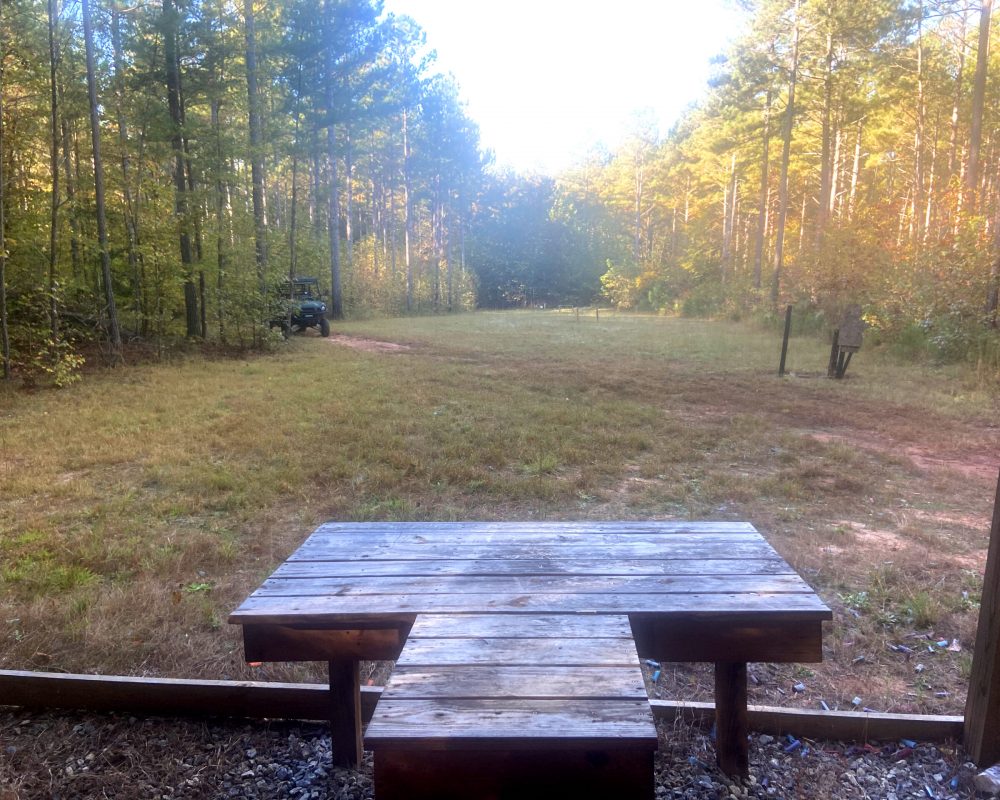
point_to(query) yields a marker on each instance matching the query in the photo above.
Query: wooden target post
(982, 707)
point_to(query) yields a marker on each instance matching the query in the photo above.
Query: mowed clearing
(138, 508)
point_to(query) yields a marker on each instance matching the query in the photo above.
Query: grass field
(138, 507)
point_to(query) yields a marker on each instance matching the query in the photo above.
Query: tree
(111, 311)
(4, 326)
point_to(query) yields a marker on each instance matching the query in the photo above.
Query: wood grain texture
(556, 653)
(510, 724)
(654, 565)
(746, 607)
(559, 626)
(555, 526)
(528, 682)
(533, 584)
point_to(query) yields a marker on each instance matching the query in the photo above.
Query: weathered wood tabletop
(693, 591)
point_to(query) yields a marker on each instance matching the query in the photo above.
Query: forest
(165, 166)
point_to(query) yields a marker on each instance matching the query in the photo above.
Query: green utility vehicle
(303, 308)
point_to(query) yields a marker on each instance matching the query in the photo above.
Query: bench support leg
(345, 713)
(731, 722)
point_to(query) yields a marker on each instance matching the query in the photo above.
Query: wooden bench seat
(519, 706)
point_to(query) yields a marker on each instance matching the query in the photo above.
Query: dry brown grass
(138, 508)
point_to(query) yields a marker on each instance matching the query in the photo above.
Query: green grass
(139, 506)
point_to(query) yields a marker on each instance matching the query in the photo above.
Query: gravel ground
(65, 755)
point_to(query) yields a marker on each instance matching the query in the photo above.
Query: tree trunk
(222, 261)
(131, 214)
(978, 100)
(349, 211)
(957, 101)
(170, 26)
(114, 333)
(333, 221)
(407, 217)
(54, 168)
(758, 255)
(256, 159)
(5, 368)
(67, 167)
(826, 158)
(786, 152)
(855, 173)
(918, 135)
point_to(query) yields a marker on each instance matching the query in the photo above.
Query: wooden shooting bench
(518, 644)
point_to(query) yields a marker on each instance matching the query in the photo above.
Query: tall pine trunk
(786, 151)
(5, 368)
(978, 100)
(170, 26)
(53, 306)
(131, 223)
(758, 254)
(114, 333)
(256, 158)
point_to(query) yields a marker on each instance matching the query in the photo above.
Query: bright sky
(548, 79)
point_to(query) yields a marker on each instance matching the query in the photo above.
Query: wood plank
(506, 538)
(282, 643)
(748, 608)
(533, 584)
(550, 526)
(531, 683)
(173, 697)
(748, 547)
(564, 626)
(514, 724)
(554, 653)
(544, 775)
(831, 725)
(524, 566)
(678, 639)
(368, 542)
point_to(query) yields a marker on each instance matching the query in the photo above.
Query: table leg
(731, 722)
(345, 713)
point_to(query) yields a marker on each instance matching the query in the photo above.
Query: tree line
(163, 166)
(844, 152)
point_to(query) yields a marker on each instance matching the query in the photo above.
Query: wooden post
(597, 314)
(831, 369)
(731, 720)
(345, 713)
(784, 341)
(982, 707)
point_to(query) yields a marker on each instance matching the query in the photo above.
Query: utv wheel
(324, 327)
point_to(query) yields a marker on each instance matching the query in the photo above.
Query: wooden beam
(286, 643)
(173, 697)
(344, 701)
(731, 724)
(833, 725)
(176, 697)
(982, 707)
